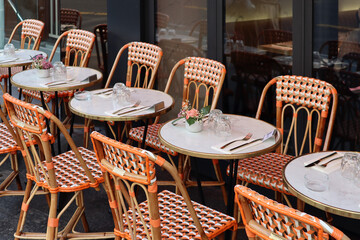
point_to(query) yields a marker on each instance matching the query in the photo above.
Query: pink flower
(192, 113)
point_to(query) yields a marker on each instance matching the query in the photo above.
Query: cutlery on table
(247, 137)
(103, 92)
(157, 106)
(132, 106)
(325, 164)
(244, 144)
(320, 159)
(133, 110)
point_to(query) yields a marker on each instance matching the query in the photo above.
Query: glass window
(181, 31)
(258, 47)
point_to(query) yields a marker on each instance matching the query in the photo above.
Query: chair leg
(24, 208)
(80, 204)
(53, 222)
(220, 178)
(15, 168)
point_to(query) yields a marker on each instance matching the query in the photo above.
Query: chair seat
(176, 222)
(70, 175)
(152, 138)
(7, 142)
(265, 170)
(48, 96)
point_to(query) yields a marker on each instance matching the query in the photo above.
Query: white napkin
(226, 150)
(5, 60)
(331, 167)
(63, 83)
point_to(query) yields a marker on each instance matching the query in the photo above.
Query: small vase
(195, 127)
(43, 73)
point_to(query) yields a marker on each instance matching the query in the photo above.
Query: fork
(133, 106)
(247, 137)
(324, 165)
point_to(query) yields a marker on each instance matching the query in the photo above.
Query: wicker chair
(142, 66)
(70, 19)
(79, 44)
(302, 108)
(267, 219)
(163, 215)
(203, 79)
(72, 171)
(31, 33)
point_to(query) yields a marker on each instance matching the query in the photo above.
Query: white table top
(200, 144)
(341, 198)
(23, 57)
(99, 106)
(28, 79)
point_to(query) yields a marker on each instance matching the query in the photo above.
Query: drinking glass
(121, 93)
(316, 181)
(9, 49)
(59, 71)
(213, 115)
(349, 165)
(223, 126)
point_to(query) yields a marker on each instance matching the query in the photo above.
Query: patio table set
(256, 151)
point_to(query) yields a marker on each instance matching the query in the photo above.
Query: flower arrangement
(41, 62)
(191, 114)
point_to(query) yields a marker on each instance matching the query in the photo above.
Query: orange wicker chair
(201, 76)
(79, 44)
(143, 63)
(72, 171)
(163, 215)
(299, 101)
(31, 33)
(268, 219)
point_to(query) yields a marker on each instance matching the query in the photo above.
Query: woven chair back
(269, 219)
(78, 47)
(302, 108)
(142, 64)
(70, 17)
(203, 79)
(31, 33)
(30, 123)
(127, 170)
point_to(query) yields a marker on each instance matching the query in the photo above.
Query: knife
(320, 159)
(132, 110)
(244, 144)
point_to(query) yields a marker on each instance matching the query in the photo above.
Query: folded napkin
(331, 167)
(226, 150)
(5, 60)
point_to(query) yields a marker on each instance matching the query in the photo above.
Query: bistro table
(22, 58)
(28, 79)
(200, 144)
(101, 106)
(341, 198)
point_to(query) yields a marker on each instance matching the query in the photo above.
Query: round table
(28, 79)
(23, 59)
(200, 144)
(341, 198)
(100, 106)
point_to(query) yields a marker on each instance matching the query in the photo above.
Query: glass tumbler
(223, 126)
(59, 71)
(9, 49)
(349, 165)
(213, 115)
(121, 93)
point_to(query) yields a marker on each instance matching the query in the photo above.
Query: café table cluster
(125, 162)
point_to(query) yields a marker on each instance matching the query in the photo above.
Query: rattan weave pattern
(70, 175)
(80, 40)
(265, 171)
(176, 222)
(7, 142)
(32, 28)
(280, 219)
(144, 53)
(306, 91)
(203, 70)
(152, 139)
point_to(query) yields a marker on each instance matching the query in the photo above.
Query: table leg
(198, 180)
(57, 113)
(47, 120)
(230, 189)
(144, 135)
(20, 93)
(9, 69)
